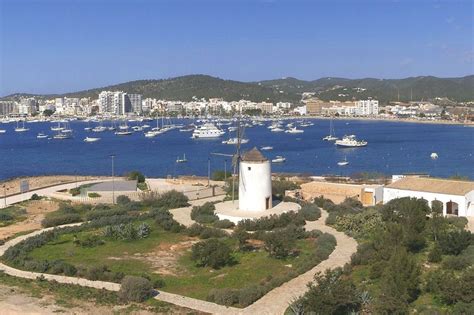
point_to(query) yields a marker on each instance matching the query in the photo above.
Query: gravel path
(274, 302)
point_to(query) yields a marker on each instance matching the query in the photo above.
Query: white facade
(255, 185)
(465, 204)
(367, 107)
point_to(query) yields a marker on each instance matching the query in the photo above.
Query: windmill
(236, 156)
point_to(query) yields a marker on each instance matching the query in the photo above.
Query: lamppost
(5, 194)
(225, 170)
(209, 172)
(112, 156)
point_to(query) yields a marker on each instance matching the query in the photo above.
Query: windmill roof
(253, 155)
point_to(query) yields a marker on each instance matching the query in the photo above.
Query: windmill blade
(222, 154)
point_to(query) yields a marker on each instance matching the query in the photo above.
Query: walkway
(274, 302)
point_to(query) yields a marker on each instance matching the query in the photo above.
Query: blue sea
(394, 148)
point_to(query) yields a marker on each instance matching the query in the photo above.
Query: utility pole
(225, 170)
(5, 194)
(113, 178)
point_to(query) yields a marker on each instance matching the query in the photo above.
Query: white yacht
(294, 130)
(277, 129)
(41, 136)
(181, 160)
(124, 132)
(90, 139)
(434, 156)
(99, 129)
(22, 128)
(3, 131)
(332, 136)
(279, 159)
(235, 141)
(57, 128)
(207, 130)
(266, 148)
(351, 142)
(62, 136)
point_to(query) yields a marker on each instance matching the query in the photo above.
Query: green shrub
(459, 222)
(6, 217)
(75, 191)
(93, 195)
(165, 219)
(35, 197)
(280, 186)
(123, 200)
(224, 296)
(135, 289)
(456, 262)
(96, 214)
(310, 212)
(279, 244)
(224, 224)
(61, 219)
(435, 254)
(204, 214)
(127, 232)
(221, 175)
(213, 253)
(168, 200)
(249, 294)
(136, 175)
(454, 242)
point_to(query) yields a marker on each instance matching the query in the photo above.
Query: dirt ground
(13, 185)
(35, 211)
(163, 259)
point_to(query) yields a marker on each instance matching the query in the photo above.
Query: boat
(235, 141)
(277, 129)
(21, 129)
(434, 156)
(343, 162)
(331, 136)
(266, 148)
(207, 131)
(3, 131)
(181, 160)
(233, 128)
(279, 159)
(57, 128)
(90, 139)
(41, 136)
(62, 136)
(123, 133)
(294, 130)
(351, 142)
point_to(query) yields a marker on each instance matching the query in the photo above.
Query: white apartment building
(28, 106)
(8, 108)
(367, 107)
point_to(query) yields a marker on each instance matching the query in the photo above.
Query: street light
(208, 171)
(112, 156)
(225, 170)
(5, 194)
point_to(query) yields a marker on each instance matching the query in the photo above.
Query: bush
(135, 289)
(35, 197)
(165, 219)
(136, 175)
(221, 175)
(224, 224)
(249, 294)
(168, 200)
(279, 244)
(280, 186)
(204, 214)
(272, 222)
(456, 262)
(224, 296)
(75, 191)
(454, 242)
(310, 212)
(435, 254)
(60, 220)
(93, 195)
(96, 214)
(6, 217)
(127, 232)
(123, 200)
(213, 253)
(89, 241)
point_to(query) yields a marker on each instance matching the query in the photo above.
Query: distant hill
(186, 88)
(415, 88)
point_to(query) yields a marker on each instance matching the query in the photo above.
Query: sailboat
(58, 128)
(331, 136)
(343, 162)
(181, 160)
(21, 129)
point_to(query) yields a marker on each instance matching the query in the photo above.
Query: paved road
(45, 191)
(274, 302)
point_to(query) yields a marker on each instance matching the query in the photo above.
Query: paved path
(274, 302)
(48, 191)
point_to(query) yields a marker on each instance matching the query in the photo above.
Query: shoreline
(413, 121)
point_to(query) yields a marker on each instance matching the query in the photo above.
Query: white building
(255, 182)
(367, 108)
(28, 106)
(456, 196)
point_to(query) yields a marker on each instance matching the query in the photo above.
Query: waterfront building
(367, 107)
(457, 197)
(28, 106)
(265, 107)
(315, 106)
(255, 182)
(8, 108)
(105, 102)
(135, 102)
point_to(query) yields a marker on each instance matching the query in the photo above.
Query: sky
(57, 46)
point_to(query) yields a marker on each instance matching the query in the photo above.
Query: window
(249, 168)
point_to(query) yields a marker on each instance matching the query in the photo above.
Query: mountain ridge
(197, 86)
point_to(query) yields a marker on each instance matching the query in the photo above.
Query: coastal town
(120, 104)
